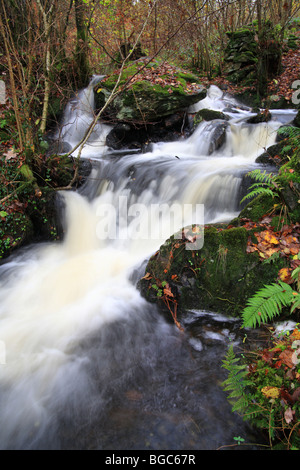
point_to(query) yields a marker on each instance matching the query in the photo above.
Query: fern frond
(296, 301)
(258, 192)
(261, 176)
(263, 183)
(290, 132)
(237, 382)
(266, 304)
(296, 276)
(274, 257)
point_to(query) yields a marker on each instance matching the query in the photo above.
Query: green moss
(209, 115)
(258, 207)
(221, 276)
(188, 77)
(162, 91)
(241, 33)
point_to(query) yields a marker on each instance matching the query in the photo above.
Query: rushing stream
(86, 362)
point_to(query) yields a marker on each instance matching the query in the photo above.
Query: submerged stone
(264, 116)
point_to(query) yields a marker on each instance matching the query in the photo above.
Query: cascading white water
(77, 333)
(77, 117)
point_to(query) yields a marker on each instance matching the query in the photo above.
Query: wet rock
(210, 115)
(118, 136)
(218, 137)
(263, 116)
(273, 154)
(137, 136)
(296, 121)
(58, 147)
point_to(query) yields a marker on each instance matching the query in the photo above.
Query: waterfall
(78, 115)
(78, 339)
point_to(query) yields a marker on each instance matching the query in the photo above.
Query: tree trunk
(82, 47)
(47, 20)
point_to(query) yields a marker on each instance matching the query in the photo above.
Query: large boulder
(220, 276)
(132, 136)
(148, 92)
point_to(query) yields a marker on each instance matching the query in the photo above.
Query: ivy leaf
(3, 214)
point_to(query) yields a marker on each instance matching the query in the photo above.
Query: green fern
(263, 184)
(267, 303)
(274, 257)
(290, 132)
(261, 176)
(257, 192)
(296, 275)
(237, 382)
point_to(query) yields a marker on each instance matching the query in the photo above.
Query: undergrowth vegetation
(264, 383)
(264, 388)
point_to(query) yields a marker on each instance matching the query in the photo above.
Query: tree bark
(47, 20)
(82, 47)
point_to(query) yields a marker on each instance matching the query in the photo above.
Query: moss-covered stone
(264, 116)
(156, 92)
(220, 276)
(257, 208)
(209, 115)
(241, 56)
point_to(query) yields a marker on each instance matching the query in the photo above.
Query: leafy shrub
(266, 390)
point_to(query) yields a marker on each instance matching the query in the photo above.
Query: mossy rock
(150, 97)
(244, 74)
(246, 57)
(58, 170)
(292, 42)
(242, 34)
(274, 155)
(220, 276)
(209, 115)
(256, 209)
(260, 117)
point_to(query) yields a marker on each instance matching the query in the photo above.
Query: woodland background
(50, 48)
